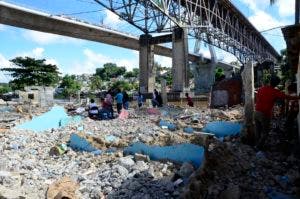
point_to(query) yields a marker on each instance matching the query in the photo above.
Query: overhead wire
(271, 29)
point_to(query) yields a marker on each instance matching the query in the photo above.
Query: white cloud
(163, 61)
(95, 60)
(262, 21)
(286, 8)
(38, 52)
(51, 61)
(256, 4)
(47, 38)
(35, 53)
(111, 19)
(4, 63)
(2, 27)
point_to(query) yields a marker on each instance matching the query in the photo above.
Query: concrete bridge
(34, 20)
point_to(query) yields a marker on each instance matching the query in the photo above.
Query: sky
(75, 56)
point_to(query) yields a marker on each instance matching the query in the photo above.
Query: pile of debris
(233, 170)
(86, 159)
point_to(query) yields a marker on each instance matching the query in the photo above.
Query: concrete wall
(42, 96)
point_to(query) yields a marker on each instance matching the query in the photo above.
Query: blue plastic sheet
(171, 126)
(53, 119)
(78, 143)
(223, 128)
(188, 130)
(181, 153)
(278, 195)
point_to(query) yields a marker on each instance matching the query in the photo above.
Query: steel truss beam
(216, 22)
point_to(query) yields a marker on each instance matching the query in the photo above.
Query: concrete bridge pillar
(204, 73)
(164, 96)
(248, 83)
(204, 76)
(147, 70)
(179, 59)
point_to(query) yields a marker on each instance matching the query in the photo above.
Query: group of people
(265, 99)
(122, 102)
(106, 111)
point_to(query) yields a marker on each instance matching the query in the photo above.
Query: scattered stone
(186, 170)
(126, 162)
(141, 157)
(232, 192)
(63, 188)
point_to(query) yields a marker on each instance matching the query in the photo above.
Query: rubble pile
(233, 170)
(87, 159)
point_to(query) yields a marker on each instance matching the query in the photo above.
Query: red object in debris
(234, 89)
(153, 111)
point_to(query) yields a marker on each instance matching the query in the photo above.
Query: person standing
(119, 100)
(140, 99)
(125, 100)
(154, 98)
(189, 100)
(109, 101)
(265, 100)
(292, 112)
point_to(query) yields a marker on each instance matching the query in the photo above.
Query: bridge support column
(204, 77)
(164, 96)
(147, 70)
(179, 59)
(248, 83)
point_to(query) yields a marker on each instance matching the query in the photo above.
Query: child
(189, 100)
(93, 109)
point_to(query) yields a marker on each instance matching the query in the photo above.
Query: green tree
(32, 72)
(132, 75)
(286, 72)
(95, 83)
(163, 72)
(4, 88)
(122, 85)
(70, 85)
(110, 70)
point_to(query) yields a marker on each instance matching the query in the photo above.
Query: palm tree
(297, 10)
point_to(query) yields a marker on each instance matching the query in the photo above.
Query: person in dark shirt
(265, 99)
(292, 112)
(154, 100)
(125, 100)
(189, 100)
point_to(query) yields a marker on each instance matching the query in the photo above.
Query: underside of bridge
(216, 22)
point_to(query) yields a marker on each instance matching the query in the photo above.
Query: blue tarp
(278, 195)
(178, 153)
(223, 128)
(188, 130)
(78, 143)
(171, 126)
(55, 118)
